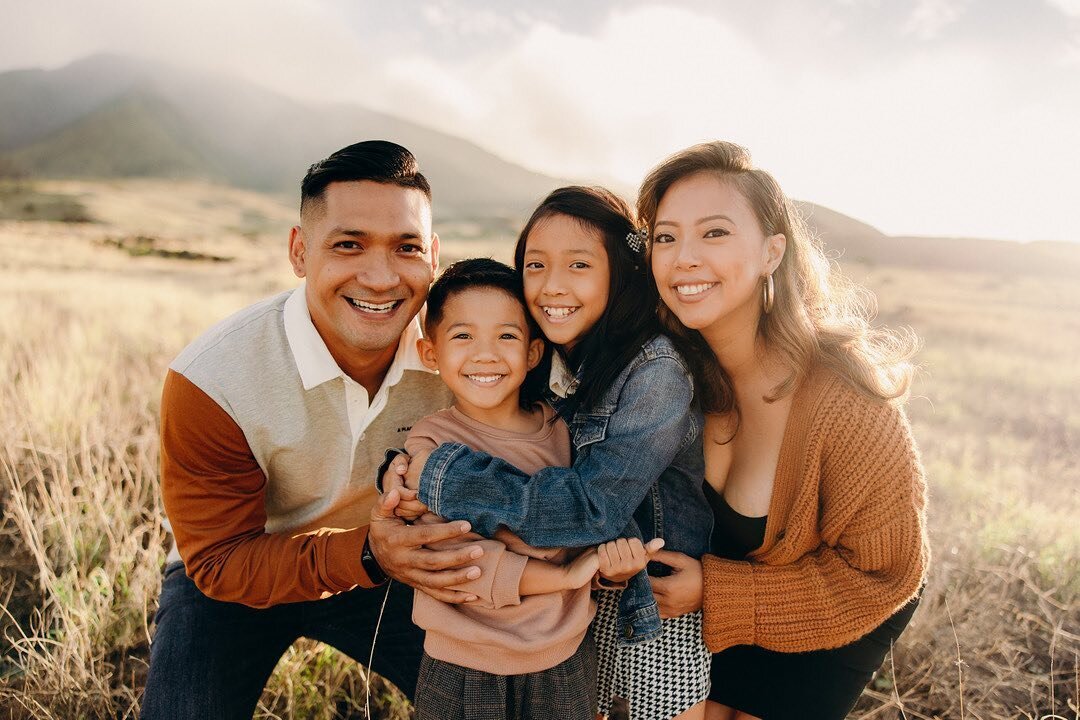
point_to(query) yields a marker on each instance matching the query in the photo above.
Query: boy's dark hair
(478, 273)
(629, 320)
(377, 160)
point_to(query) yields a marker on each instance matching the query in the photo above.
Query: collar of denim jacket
(561, 381)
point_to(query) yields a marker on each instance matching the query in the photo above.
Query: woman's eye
(663, 238)
(716, 232)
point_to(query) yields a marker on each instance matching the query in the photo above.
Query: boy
(524, 644)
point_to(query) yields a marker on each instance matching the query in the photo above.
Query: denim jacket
(638, 470)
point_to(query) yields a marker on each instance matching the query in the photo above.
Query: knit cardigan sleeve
(871, 559)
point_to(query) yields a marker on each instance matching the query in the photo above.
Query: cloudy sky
(929, 117)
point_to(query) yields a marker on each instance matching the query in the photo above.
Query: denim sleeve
(593, 500)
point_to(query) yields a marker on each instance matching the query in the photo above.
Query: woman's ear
(536, 351)
(775, 247)
(426, 349)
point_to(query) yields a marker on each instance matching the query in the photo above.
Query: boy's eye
(508, 336)
(460, 336)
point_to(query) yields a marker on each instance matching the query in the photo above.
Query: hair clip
(636, 240)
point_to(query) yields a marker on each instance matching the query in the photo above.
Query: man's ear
(536, 351)
(426, 350)
(434, 254)
(296, 251)
(775, 247)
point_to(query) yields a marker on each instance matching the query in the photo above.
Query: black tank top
(734, 536)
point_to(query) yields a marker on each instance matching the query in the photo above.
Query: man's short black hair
(469, 275)
(377, 160)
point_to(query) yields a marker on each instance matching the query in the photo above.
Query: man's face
(369, 256)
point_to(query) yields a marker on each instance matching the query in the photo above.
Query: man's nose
(377, 273)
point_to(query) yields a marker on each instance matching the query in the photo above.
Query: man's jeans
(211, 659)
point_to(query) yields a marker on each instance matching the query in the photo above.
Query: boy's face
(482, 349)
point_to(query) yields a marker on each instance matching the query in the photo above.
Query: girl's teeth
(558, 312)
(484, 378)
(372, 307)
(693, 289)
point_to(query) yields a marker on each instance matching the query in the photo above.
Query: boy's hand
(416, 466)
(582, 570)
(624, 558)
(409, 508)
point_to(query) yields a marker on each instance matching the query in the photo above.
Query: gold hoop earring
(768, 294)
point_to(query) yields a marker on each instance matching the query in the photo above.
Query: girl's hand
(416, 466)
(681, 591)
(624, 558)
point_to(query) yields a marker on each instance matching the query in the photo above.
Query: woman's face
(566, 277)
(710, 255)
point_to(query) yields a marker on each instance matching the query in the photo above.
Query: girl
(819, 547)
(627, 397)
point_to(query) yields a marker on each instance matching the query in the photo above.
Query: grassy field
(90, 315)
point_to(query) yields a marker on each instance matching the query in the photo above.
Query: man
(273, 425)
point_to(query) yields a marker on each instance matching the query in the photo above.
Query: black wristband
(371, 566)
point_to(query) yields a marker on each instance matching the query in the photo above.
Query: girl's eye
(716, 232)
(580, 265)
(662, 239)
(534, 265)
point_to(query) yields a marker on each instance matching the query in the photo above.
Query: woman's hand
(681, 591)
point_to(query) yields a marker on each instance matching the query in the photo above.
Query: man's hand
(624, 558)
(681, 591)
(400, 551)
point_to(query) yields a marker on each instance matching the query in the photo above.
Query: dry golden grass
(86, 331)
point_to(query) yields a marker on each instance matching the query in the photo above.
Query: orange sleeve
(214, 494)
(872, 560)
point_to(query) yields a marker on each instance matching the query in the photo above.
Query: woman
(819, 546)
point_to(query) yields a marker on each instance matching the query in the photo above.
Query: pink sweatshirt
(501, 632)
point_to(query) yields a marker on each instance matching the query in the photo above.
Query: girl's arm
(592, 501)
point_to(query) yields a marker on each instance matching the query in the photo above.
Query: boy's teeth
(558, 312)
(693, 289)
(484, 378)
(373, 307)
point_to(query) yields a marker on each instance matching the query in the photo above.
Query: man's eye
(347, 245)
(412, 248)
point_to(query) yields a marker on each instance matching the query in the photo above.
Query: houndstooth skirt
(657, 679)
(445, 691)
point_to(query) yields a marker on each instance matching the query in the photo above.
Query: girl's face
(566, 277)
(710, 255)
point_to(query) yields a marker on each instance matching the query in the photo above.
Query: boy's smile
(482, 350)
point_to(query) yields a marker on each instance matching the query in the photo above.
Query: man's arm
(214, 494)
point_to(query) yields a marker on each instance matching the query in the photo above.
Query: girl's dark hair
(485, 273)
(629, 320)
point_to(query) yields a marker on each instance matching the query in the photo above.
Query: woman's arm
(593, 500)
(872, 558)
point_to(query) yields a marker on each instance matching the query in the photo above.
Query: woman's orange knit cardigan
(845, 543)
